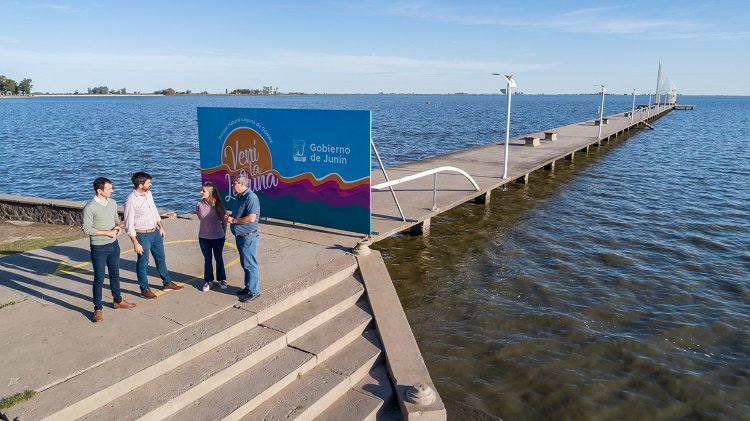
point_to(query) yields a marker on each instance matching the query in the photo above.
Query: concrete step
(296, 291)
(115, 377)
(124, 372)
(333, 335)
(177, 389)
(315, 391)
(370, 399)
(317, 310)
(249, 389)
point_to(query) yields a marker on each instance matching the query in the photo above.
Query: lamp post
(632, 110)
(601, 113)
(648, 113)
(510, 85)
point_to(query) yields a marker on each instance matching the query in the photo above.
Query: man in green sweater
(102, 224)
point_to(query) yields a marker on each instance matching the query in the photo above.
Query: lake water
(614, 287)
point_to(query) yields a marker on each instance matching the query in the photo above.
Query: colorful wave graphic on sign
(305, 188)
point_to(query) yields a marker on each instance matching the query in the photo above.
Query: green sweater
(99, 218)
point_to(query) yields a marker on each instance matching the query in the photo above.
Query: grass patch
(2, 306)
(17, 398)
(21, 246)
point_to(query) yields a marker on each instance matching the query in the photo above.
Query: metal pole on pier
(648, 113)
(508, 91)
(632, 110)
(601, 113)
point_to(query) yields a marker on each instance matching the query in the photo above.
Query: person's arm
(88, 225)
(252, 215)
(118, 223)
(247, 219)
(130, 225)
(157, 217)
(223, 217)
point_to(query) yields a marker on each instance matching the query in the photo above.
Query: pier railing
(434, 172)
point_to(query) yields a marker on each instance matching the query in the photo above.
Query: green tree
(11, 86)
(7, 85)
(25, 86)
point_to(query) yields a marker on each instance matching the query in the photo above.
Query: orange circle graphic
(245, 149)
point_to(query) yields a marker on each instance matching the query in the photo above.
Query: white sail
(659, 81)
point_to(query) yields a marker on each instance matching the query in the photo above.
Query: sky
(372, 46)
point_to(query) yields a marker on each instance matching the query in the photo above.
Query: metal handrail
(434, 172)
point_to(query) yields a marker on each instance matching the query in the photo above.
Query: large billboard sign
(307, 166)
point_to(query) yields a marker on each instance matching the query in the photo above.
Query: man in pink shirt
(143, 225)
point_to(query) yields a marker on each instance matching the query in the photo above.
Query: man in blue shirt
(244, 226)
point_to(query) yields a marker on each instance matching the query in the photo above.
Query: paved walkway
(47, 335)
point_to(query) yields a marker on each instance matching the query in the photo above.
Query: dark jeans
(215, 247)
(106, 256)
(248, 248)
(152, 242)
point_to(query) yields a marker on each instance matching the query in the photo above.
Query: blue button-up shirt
(246, 204)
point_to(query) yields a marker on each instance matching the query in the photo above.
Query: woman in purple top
(211, 234)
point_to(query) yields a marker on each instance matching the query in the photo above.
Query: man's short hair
(100, 182)
(242, 179)
(139, 178)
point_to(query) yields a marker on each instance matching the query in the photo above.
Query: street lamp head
(508, 79)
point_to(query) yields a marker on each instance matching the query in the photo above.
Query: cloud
(50, 6)
(201, 61)
(607, 20)
(294, 70)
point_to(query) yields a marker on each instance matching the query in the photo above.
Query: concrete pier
(527, 153)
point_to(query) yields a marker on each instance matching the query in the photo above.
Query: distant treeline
(9, 86)
(266, 90)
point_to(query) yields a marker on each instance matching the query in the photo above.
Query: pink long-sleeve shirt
(140, 212)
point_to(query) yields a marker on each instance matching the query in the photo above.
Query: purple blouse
(212, 224)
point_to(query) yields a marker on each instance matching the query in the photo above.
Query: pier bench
(551, 136)
(604, 121)
(532, 141)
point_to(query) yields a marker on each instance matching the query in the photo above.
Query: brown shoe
(172, 286)
(97, 317)
(147, 294)
(123, 304)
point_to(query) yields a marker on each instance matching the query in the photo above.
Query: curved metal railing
(434, 172)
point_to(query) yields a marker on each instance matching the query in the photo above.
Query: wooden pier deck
(485, 165)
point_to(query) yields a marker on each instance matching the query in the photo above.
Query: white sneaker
(206, 287)
(223, 284)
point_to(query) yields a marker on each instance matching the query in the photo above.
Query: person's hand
(138, 249)
(112, 233)
(230, 220)
(118, 230)
(162, 232)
